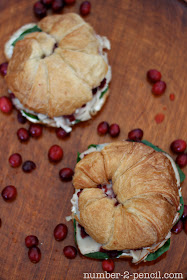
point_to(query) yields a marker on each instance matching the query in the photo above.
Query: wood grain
(144, 34)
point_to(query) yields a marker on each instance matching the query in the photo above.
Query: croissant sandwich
(58, 71)
(127, 198)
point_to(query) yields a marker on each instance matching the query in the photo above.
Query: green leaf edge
(166, 246)
(30, 115)
(30, 30)
(77, 121)
(103, 92)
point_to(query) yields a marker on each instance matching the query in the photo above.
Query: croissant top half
(53, 72)
(145, 186)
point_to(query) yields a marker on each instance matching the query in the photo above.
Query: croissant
(145, 197)
(54, 71)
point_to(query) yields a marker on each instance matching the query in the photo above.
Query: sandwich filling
(81, 114)
(88, 246)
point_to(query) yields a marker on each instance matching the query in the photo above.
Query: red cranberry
(61, 133)
(57, 5)
(66, 174)
(177, 227)
(9, 193)
(159, 88)
(85, 8)
(154, 75)
(35, 130)
(103, 128)
(108, 265)
(70, 252)
(181, 160)
(69, 2)
(28, 166)
(40, 10)
(3, 68)
(34, 254)
(31, 240)
(103, 83)
(23, 134)
(71, 117)
(184, 215)
(83, 232)
(60, 232)
(185, 226)
(178, 146)
(114, 130)
(21, 119)
(55, 153)
(78, 194)
(94, 91)
(135, 134)
(15, 160)
(47, 3)
(5, 104)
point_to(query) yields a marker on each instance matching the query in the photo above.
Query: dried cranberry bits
(66, 174)
(5, 104)
(60, 232)
(9, 193)
(108, 265)
(34, 254)
(85, 8)
(15, 160)
(55, 153)
(28, 166)
(70, 252)
(31, 240)
(178, 146)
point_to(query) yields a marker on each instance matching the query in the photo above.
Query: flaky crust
(146, 189)
(56, 81)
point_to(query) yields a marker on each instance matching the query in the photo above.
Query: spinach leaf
(30, 115)
(103, 92)
(30, 30)
(159, 252)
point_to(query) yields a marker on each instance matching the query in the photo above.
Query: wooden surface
(144, 34)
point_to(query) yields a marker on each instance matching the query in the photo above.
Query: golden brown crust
(145, 187)
(70, 71)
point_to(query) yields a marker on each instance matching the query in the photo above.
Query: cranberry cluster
(178, 147)
(104, 128)
(154, 76)
(182, 223)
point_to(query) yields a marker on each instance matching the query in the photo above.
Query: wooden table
(144, 34)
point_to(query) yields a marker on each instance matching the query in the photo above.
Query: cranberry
(83, 232)
(60, 232)
(61, 133)
(94, 91)
(71, 117)
(9, 193)
(40, 10)
(159, 88)
(185, 225)
(135, 134)
(66, 174)
(181, 160)
(114, 130)
(31, 240)
(78, 194)
(70, 252)
(23, 134)
(57, 5)
(47, 3)
(3, 68)
(177, 228)
(15, 160)
(35, 130)
(70, 2)
(12, 95)
(103, 128)
(34, 254)
(184, 215)
(5, 104)
(28, 166)
(85, 8)
(21, 119)
(108, 265)
(55, 153)
(154, 75)
(103, 83)
(178, 146)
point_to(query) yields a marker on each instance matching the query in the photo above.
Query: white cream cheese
(85, 243)
(81, 114)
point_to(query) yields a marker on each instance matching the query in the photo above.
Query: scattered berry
(55, 153)
(184, 215)
(114, 130)
(47, 3)
(103, 128)
(135, 134)
(159, 88)
(21, 119)
(34, 254)
(70, 252)
(154, 75)
(69, 2)
(28, 166)
(35, 130)
(61, 133)
(66, 174)
(15, 160)
(108, 265)
(23, 134)
(57, 5)
(177, 228)
(31, 240)
(9, 193)
(3, 68)
(178, 146)
(39, 10)
(181, 160)
(85, 8)
(60, 232)
(5, 105)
